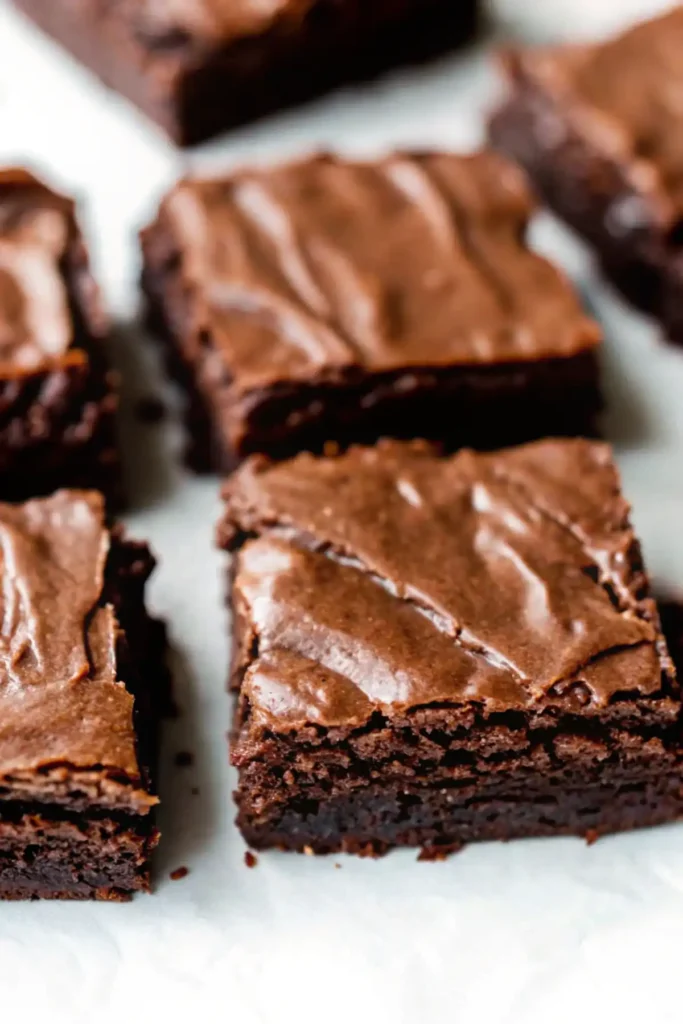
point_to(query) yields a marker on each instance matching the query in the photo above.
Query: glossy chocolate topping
(309, 269)
(389, 578)
(626, 97)
(217, 21)
(35, 226)
(61, 706)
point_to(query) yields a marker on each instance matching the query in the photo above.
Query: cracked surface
(66, 718)
(307, 270)
(390, 578)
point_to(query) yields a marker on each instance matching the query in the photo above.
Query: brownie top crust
(36, 229)
(323, 267)
(390, 578)
(64, 715)
(626, 97)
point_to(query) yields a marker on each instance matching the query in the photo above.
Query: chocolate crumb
(591, 836)
(183, 759)
(250, 859)
(195, 791)
(150, 409)
(438, 853)
(179, 873)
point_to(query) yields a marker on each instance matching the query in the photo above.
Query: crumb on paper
(183, 759)
(338, 866)
(439, 853)
(250, 859)
(179, 873)
(591, 836)
(150, 409)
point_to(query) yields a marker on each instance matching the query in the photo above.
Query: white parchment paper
(543, 932)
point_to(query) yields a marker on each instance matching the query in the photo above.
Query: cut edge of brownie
(326, 789)
(89, 833)
(185, 86)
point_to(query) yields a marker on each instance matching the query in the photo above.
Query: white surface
(529, 933)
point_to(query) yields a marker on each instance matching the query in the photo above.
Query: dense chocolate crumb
(150, 409)
(250, 859)
(183, 759)
(179, 873)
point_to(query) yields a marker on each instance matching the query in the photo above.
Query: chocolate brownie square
(58, 397)
(198, 67)
(598, 128)
(435, 650)
(331, 300)
(82, 686)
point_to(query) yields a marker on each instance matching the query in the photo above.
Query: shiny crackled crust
(333, 300)
(77, 645)
(390, 578)
(432, 651)
(598, 129)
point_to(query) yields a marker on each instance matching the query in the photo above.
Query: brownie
(597, 127)
(330, 300)
(435, 650)
(58, 397)
(198, 67)
(82, 685)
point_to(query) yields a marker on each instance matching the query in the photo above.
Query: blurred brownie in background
(198, 67)
(599, 129)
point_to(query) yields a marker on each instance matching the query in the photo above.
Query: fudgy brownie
(82, 685)
(338, 301)
(598, 129)
(198, 67)
(435, 650)
(58, 397)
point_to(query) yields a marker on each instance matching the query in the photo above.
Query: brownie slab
(58, 397)
(198, 67)
(82, 686)
(338, 301)
(597, 128)
(430, 651)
